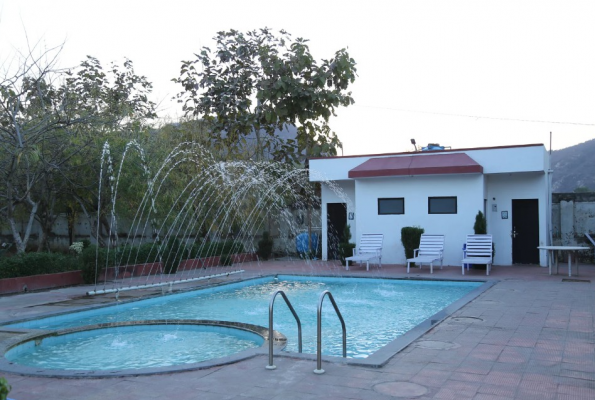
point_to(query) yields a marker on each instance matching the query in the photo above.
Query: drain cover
(401, 389)
(437, 345)
(467, 319)
(576, 280)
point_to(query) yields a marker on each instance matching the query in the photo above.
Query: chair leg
(408, 263)
(347, 265)
(431, 267)
(463, 269)
(367, 265)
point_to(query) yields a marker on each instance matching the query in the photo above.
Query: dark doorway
(336, 219)
(525, 231)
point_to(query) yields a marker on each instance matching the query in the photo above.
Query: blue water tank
(301, 242)
(432, 146)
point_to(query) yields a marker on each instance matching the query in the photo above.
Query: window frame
(402, 199)
(456, 205)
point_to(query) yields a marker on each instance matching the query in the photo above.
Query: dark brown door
(525, 231)
(336, 221)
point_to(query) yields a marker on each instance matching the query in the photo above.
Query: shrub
(4, 388)
(345, 247)
(410, 237)
(265, 246)
(172, 254)
(37, 264)
(226, 260)
(210, 249)
(481, 224)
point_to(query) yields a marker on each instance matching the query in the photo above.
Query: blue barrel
(301, 242)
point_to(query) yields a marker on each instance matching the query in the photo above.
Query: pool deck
(530, 336)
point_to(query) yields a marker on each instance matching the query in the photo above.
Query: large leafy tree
(49, 121)
(255, 84)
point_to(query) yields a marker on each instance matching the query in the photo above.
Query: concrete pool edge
(32, 335)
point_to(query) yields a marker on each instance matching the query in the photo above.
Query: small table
(552, 255)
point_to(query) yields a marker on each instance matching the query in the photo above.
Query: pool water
(376, 311)
(133, 347)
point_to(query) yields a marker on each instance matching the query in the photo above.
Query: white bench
(431, 248)
(478, 251)
(369, 248)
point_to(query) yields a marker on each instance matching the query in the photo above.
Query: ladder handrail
(319, 369)
(271, 332)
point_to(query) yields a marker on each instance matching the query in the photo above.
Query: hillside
(573, 167)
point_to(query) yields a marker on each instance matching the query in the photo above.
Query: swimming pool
(376, 311)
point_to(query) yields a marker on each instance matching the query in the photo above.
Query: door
(525, 231)
(336, 219)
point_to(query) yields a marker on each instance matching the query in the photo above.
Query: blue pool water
(125, 347)
(376, 311)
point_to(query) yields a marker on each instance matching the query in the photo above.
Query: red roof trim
(430, 164)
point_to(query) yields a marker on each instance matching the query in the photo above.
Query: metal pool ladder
(319, 369)
(271, 332)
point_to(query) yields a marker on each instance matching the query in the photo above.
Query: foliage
(256, 83)
(49, 122)
(201, 250)
(410, 238)
(172, 254)
(265, 246)
(481, 225)
(226, 260)
(27, 264)
(582, 189)
(345, 246)
(4, 388)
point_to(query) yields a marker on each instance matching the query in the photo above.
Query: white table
(552, 250)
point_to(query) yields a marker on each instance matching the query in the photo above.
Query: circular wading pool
(133, 347)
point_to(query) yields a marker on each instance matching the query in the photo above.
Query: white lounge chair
(431, 248)
(478, 251)
(369, 248)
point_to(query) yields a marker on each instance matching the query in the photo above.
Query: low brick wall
(71, 278)
(39, 282)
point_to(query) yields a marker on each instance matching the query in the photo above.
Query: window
(442, 205)
(391, 206)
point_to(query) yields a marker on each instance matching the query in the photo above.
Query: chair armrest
(415, 252)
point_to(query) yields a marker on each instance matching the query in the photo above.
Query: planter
(39, 282)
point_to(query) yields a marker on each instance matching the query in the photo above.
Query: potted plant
(345, 246)
(265, 246)
(410, 236)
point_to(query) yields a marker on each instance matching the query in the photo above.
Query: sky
(458, 73)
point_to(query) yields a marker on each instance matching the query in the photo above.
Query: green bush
(410, 237)
(481, 224)
(4, 388)
(345, 247)
(226, 260)
(37, 264)
(172, 255)
(265, 246)
(210, 249)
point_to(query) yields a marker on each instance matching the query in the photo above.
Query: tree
(582, 189)
(257, 84)
(48, 118)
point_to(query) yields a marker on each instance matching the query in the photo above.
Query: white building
(440, 191)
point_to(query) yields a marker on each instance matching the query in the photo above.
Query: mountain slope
(573, 167)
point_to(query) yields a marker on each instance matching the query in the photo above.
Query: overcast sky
(459, 73)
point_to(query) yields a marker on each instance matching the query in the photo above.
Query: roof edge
(431, 151)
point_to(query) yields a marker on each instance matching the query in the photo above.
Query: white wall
(502, 189)
(415, 190)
